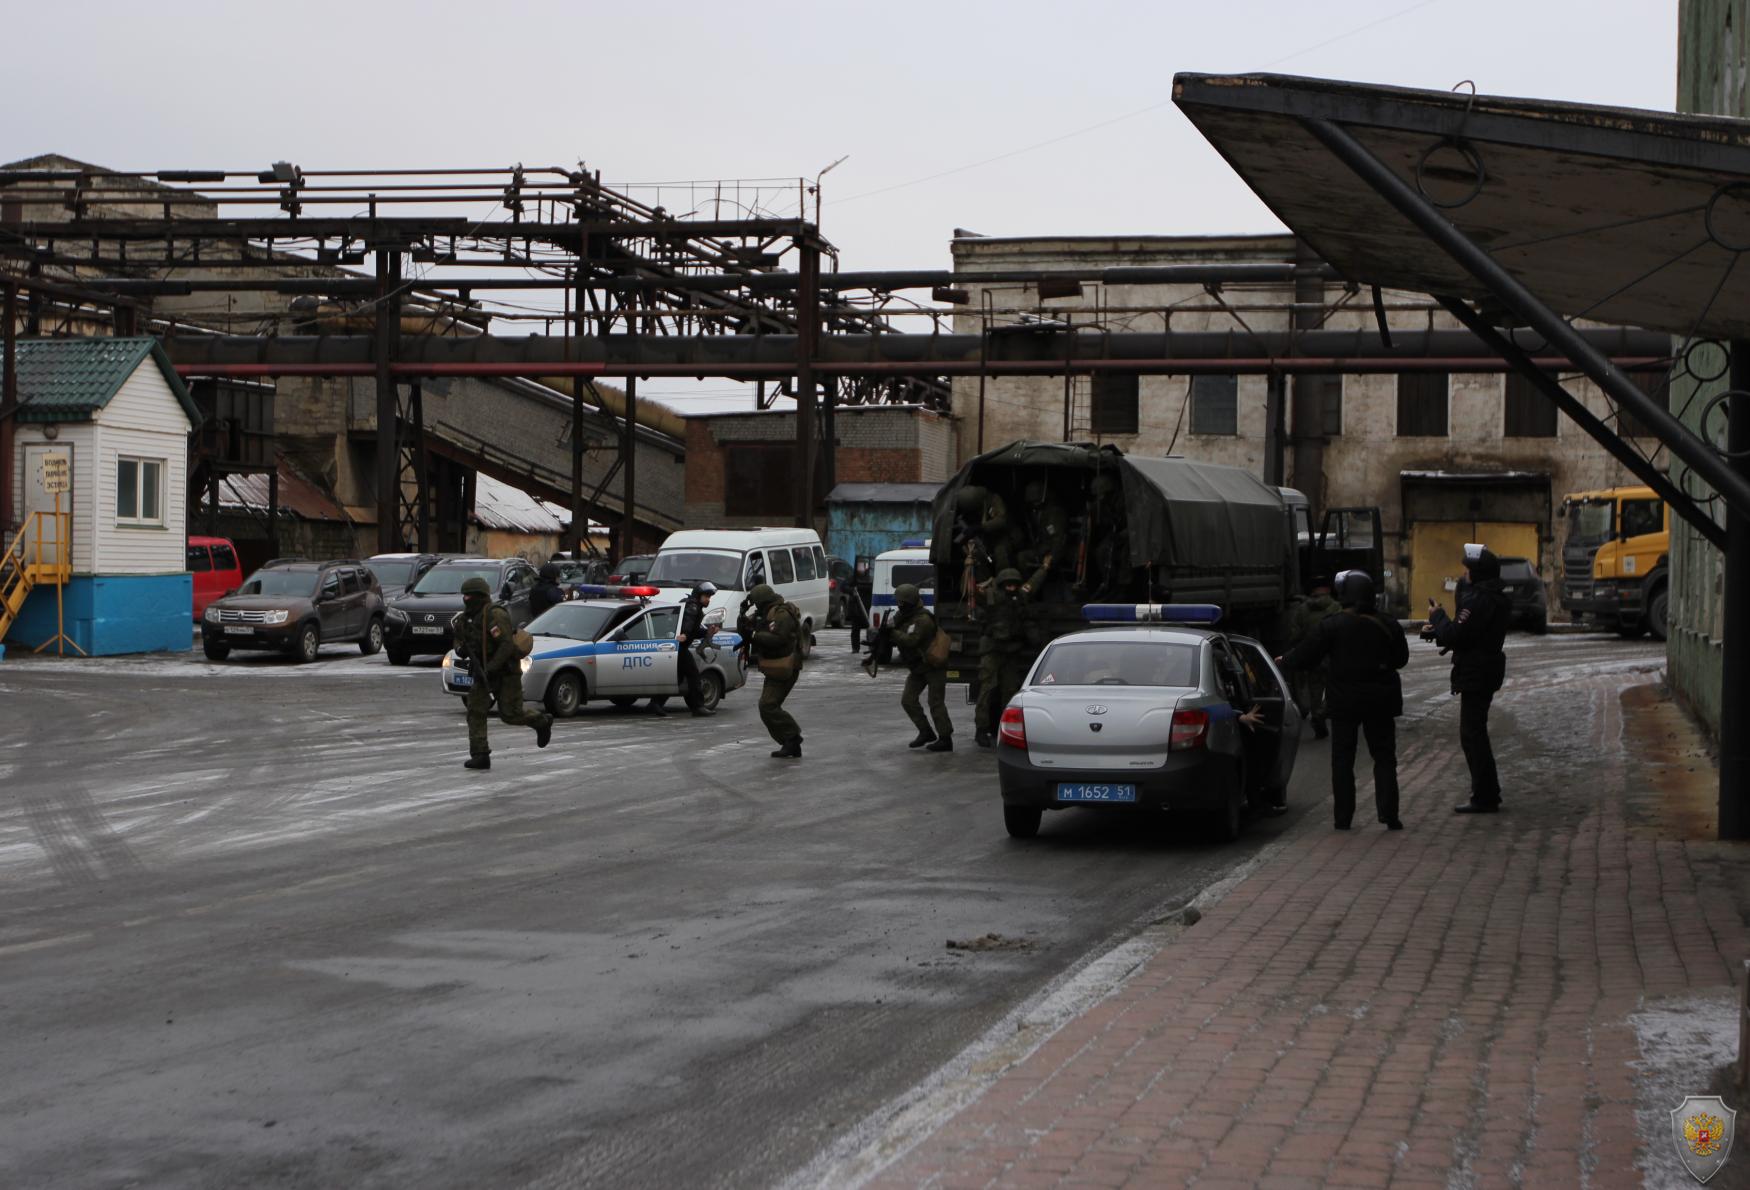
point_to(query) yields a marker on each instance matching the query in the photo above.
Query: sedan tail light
(1012, 731)
(1190, 730)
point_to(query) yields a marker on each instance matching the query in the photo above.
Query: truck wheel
(1658, 613)
(372, 641)
(807, 638)
(1022, 822)
(216, 650)
(1630, 631)
(564, 695)
(309, 643)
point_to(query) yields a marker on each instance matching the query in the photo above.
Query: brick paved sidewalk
(1448, 1005)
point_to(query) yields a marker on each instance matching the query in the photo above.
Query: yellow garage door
(1437, 554)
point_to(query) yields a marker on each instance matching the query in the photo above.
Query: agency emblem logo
(1702, 1128)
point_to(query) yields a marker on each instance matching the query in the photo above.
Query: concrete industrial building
(1447, 457)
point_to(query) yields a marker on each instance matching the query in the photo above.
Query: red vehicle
(212, 563)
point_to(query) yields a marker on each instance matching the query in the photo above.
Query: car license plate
(461, 681)
(428, 630)
(1096, 793)
(238, 630)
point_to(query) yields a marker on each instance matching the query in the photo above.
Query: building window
(1528, 414)
(1115, 402)
(757, 479)
(1653, 384)
(1215, 405)
(1331, 407)
(139, 491)
(1422, 404)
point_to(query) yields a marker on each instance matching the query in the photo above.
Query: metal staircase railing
(23, 565)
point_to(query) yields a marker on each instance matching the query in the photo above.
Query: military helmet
(1355, 589)
(474, 586)
(763, 595)
(906, 593)
(969, 500)
(704, 589)
(1011, 575)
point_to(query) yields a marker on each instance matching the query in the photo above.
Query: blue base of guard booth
(110, 614)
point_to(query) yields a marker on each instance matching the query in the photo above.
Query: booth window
(1215, 404)
(1114, 408)
(139, 491)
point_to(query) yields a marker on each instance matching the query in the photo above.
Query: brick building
(740, 469)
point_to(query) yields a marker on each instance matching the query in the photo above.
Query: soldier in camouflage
(1005, 649)
(484, 645)
(776, 637)
(1309, 683)
(913, 630)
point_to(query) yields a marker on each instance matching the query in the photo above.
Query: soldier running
(914, 628)
(484, 642)
(775, 632)
(1004, 649)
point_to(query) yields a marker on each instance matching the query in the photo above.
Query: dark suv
(419, 621)
(293, 606)
(1521, 583)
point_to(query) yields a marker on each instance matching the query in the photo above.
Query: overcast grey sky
(683, 90)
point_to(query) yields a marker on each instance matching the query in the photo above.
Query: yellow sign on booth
(57, 473)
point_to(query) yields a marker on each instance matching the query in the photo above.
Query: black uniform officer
(1479, 666)
(546, 592)
(692, 638)
(1362, 694)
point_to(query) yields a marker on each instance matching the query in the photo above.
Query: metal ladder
(22, 566)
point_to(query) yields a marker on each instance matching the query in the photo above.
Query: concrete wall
(876, 444)
(1713, 77)
(1362, 462)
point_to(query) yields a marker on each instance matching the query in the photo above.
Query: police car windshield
(448, 580)
(301, 583)
(687, 567)
(575, 621)
(1116, 663)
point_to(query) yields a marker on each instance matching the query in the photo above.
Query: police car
(1143, 711)
(612, 644)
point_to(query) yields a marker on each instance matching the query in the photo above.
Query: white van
(737, 560)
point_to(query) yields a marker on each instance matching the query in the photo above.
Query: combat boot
(941, 744)
(924, 737)
(790, 750)
(544, 734)
(477, 762)
(982, 739)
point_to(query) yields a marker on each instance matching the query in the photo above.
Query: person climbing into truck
(1005, 650)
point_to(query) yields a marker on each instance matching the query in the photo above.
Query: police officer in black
(546, 592)
(1474, 636)
(692, 638)
(1363, 695)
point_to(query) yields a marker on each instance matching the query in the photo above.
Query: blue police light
(1151, 613)
(913, 543)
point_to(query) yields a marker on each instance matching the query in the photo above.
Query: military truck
(1130, 529)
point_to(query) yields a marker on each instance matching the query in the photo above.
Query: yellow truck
(1614, 560)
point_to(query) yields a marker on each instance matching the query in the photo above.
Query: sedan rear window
(1118, 663)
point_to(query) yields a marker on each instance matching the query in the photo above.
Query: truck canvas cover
(1183, 516)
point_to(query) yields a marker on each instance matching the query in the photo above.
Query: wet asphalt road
(261, 928)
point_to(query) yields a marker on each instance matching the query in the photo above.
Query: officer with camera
(1475, 636)
(1363, 694)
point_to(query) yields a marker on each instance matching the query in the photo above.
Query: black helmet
(1355, 589)
(1480, 560)
(549, 571)
(706, 589)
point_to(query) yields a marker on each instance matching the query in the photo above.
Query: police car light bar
(590, 590)
(1151, 613)
(913, 543)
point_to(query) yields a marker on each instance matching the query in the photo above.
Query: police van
(892, 570)
(791, 561)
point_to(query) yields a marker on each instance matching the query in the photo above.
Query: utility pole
(388, 421)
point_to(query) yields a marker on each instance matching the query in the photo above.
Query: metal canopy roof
(1618, 215)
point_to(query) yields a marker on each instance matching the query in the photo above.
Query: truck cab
(1615, 559)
